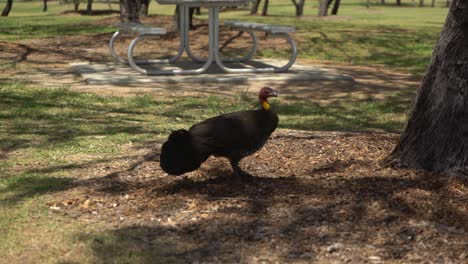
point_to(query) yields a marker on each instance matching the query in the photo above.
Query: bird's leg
(237, 171)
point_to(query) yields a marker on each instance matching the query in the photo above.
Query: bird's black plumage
(234, 136)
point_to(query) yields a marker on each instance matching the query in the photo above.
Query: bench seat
(141, 29)
(260, 27)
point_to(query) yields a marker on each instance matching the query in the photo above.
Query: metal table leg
(220, 63)
(205, 66)
(119, 59)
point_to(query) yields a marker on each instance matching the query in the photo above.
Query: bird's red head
(266, 92)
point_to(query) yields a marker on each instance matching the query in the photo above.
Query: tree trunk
(191, 11)
(436, 136)
(7, 8)
(77, 5)
(433, 3)
(382, 2)
(143, 7)
(323, 8)
(398, 2)
(255, 6)
(421, 3)
(336, 5)
(299, 7)
(89, 7)
(129, 11)
(44, 9)
(265, 8)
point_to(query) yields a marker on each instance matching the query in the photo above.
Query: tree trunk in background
(44, 9)
(129, 11)
(89, 7)
(436, 136)
(77, 5)
(143, 7)
(191, 11)
(433, 3)
(382, 2)
(421, 3)
(299, 7)
(7, 8)
(398, 2)
(323, 8)
(255, 6)
(447, 3)
(265, 8)
(336, 5)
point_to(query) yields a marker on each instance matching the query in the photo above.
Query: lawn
(398, 37)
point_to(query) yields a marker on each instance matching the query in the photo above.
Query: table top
(204, 3)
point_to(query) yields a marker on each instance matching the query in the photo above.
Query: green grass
(398, 37)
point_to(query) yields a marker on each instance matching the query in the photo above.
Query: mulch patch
(311, 196)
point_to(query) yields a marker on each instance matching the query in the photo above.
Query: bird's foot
(239, 174)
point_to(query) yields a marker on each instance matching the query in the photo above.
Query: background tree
(130, 10)
(336, 5)
(436, 135)
(299, 5)
(323, 7)
(89, 7)
(76, 4)
(143, 6)
(398, 2)
(7, 8)
(255, 6)
(44, 9)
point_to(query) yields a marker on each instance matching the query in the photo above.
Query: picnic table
(144, 31)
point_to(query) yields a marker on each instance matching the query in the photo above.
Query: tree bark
(336, 5)
(433, 3)
(143, 7)
(76, 4)
(265, 8)
(44, 9)
(436, 135)
(129, 11)
(89, 7)
(255, 6)
(7, 8)
(323, 7)
(421, 3)
(398, 2)
(382, 2)
(299, 5)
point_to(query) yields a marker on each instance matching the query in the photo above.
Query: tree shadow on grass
(17, 189)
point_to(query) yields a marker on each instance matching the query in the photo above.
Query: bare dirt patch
(312, 196)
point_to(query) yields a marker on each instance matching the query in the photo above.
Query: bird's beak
(274, 94)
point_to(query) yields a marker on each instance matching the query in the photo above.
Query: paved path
(114, 74)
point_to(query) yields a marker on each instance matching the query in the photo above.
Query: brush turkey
(233, 136)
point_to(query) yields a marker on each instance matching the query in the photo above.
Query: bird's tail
(178, 155)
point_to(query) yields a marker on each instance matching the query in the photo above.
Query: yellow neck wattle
(266, 105)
